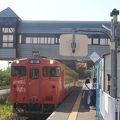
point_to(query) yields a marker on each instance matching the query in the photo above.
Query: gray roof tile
(8, 12)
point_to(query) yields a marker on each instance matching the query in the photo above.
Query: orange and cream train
(38, 84)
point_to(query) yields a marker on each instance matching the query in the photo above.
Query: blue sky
(67, 10)
(73, 10)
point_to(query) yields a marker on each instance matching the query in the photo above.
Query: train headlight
(17, 61)
(51, 61)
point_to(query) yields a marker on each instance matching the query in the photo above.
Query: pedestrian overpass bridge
(19, 38)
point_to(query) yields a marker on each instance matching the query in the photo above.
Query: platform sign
(94, 57)
(81, 65)
(81, 45)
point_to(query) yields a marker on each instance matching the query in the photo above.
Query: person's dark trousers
(93, 98)
(86, 92)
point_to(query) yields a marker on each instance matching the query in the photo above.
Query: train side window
(51, 71)
(34, 73)
(18, 71)
(55, 72)
(46, 71)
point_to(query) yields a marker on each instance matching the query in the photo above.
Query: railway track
(4, 95)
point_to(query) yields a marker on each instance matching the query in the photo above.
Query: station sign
(81, 47)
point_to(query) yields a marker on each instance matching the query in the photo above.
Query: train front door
(33, 85)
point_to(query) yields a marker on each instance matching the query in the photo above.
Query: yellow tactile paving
(73, 114)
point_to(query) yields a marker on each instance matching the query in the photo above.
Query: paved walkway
(85, 113)
(73, 109)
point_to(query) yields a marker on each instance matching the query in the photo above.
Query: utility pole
(113, 51)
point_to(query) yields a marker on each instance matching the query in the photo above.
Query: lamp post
(113, 51)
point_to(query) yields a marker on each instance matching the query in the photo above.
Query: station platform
(72, 108)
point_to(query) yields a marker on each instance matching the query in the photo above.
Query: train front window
(51, 71)
(34, 73)
(18, 71)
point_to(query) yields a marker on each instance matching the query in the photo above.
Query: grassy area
(5, 110)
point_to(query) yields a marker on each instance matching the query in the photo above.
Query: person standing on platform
(86, 89)
(93, 96)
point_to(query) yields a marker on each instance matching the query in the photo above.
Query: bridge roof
(58, 26)
(52, 27)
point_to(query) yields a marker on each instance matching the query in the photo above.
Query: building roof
(8, 12)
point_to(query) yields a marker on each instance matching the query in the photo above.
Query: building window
(89, 41)
(28, 40)
(104, 41)
(99, 41)
(95, 41)
(8, 30)
(42, 40)
(45, 40)
(56, 41)
(7, 41)
(7, 45)
(108, 41)
(49, 40)
(34, 40)
(52, 40)
(7, 38)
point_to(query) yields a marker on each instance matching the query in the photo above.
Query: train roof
(35, 60)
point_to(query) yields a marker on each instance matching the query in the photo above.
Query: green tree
(4, 77)
(84, 73)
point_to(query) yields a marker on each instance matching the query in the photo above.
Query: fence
(109, 107)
